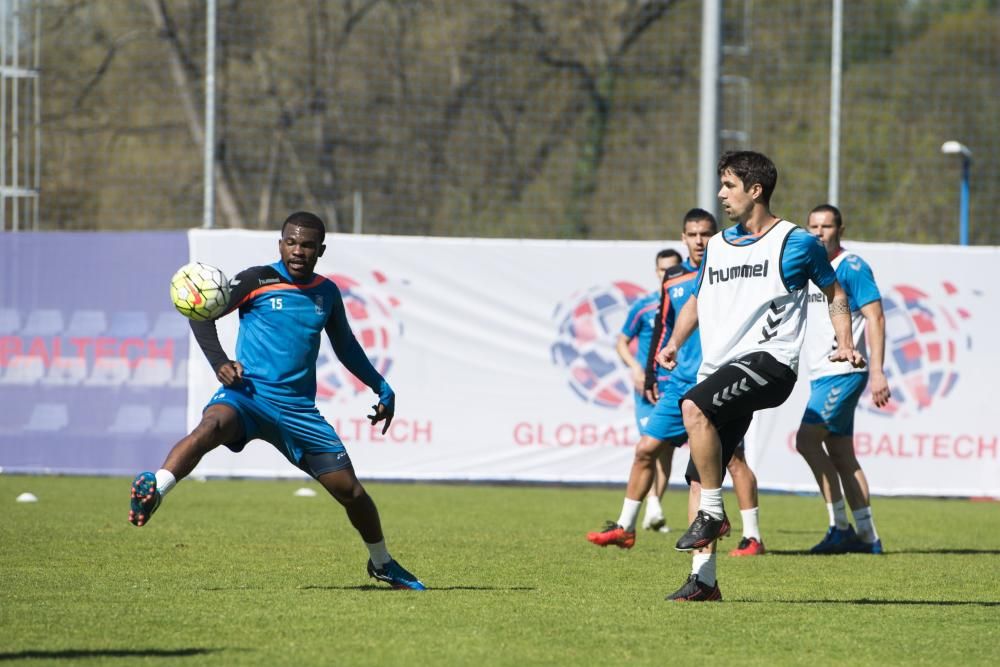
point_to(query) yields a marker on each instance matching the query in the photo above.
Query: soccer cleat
(749, 546)
(703, 531)
(835, 540)
(859, 546)
(614, 534)
(395, 575)
(656, 523)
(145, 499)
(694, 590)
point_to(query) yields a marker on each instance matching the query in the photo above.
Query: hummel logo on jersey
(234, 281)
(816, 297)
(737, 271)
(770, 328)
(268, 281)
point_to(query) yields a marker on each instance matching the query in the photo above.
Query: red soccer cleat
(749, 546)
(612, 534)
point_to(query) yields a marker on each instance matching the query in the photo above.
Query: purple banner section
(93, 376)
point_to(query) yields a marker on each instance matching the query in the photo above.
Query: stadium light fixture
(958, 148)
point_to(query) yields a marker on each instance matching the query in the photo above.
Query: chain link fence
(519, 118)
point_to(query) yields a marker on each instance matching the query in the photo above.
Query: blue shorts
(832, 401)
(666, 423)
(298, 432)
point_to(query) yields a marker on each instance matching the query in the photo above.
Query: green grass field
(243, 572)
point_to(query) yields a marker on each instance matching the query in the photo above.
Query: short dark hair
(751, 168)
(829, 208)
(697, 215)
(668, 252)
(307, 220)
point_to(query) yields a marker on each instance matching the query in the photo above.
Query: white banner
(502, 356)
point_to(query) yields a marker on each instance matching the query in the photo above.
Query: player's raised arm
(353, 357)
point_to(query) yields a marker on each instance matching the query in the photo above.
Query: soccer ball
(199, 291)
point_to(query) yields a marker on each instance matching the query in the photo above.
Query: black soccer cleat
(694, 590)
(703, 531)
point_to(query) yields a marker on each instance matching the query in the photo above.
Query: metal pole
(15, 126)
(358, 212)
(708, 129)
(3, 114)
(37, 184)
(208, 217)
(963, 214)
(836, 70)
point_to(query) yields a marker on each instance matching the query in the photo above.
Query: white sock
(630, 512)
(378, 553)
(703, 565)
(865, 523)
(165, 481)
(838, 514)
(751, 527)
(653, 507)
(711, 502)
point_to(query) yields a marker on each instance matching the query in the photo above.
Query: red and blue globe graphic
(588, 324)
(369, 306)
(925, 339)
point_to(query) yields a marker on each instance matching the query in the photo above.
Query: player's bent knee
(647, 450)
(692, 414)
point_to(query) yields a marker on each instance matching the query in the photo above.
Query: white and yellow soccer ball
(199, 291)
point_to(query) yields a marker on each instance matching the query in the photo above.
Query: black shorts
(731, 395)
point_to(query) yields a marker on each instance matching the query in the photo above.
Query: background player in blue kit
(639, 325)
(269, 391)
(836, 387)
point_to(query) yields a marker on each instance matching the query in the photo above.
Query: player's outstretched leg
(219, 424)
(144, 500)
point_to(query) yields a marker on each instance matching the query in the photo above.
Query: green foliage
(509, 118)
(242, 572)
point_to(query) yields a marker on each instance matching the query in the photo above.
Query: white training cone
(27, 498)
(305, 493)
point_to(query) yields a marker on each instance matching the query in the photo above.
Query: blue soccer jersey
(678, 290)
(281, 324)
(858, 281)
(640, 322)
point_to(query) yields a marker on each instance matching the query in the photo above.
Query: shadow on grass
(894, 552)
(381, 589)
(891, 603)
(76, 654)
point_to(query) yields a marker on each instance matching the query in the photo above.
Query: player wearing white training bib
(750, 309)
(836, 387)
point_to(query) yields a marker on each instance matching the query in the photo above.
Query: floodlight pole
(208, 208)
(958, 148)
(708, 130)
(963, 208)
(836, 71)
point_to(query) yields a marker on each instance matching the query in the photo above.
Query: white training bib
(820, 338)
(743, 304)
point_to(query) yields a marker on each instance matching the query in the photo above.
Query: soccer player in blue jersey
(836, 387)
(664, 428)
(269, 390)
(639, 325)
(749, 306)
